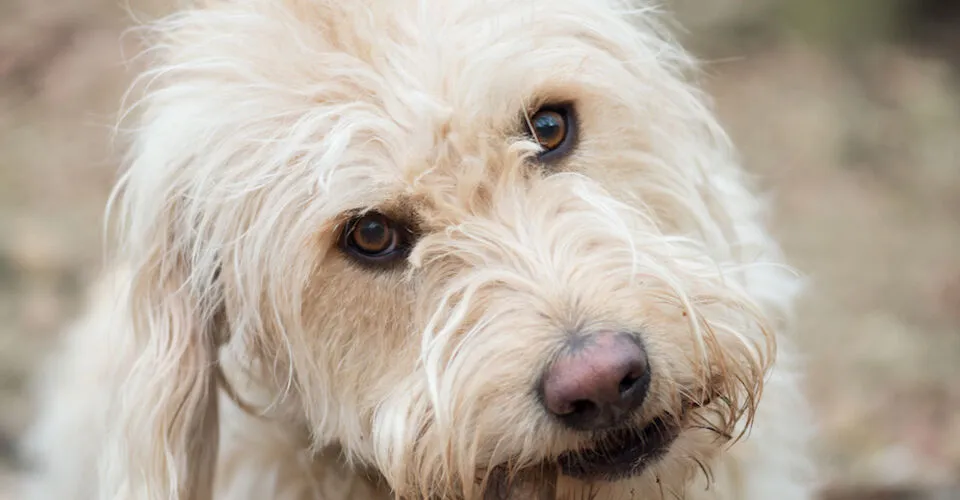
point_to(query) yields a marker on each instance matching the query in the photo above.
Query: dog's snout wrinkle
(598, 382)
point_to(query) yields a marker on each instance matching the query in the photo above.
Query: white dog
(444, 249)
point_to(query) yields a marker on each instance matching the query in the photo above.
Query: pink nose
(598, 381)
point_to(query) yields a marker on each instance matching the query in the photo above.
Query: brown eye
(552, 128)
(374, 237)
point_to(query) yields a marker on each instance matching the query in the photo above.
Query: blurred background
(847, 111)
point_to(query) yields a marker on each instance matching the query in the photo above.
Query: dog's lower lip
(621, 453)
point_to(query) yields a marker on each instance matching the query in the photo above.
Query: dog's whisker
(707, 473)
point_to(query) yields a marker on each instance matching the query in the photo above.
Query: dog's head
(461, 240)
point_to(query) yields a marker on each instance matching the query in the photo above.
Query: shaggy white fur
(243, 347)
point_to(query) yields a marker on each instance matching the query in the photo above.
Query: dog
(438, 249)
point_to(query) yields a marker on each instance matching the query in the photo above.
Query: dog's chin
(622, 453)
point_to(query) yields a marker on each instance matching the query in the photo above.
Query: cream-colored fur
(234, 352)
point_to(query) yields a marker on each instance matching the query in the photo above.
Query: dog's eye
(552, 128)
(374, 237)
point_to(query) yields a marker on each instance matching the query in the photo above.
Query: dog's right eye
(375, 238)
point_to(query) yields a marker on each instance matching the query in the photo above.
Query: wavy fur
(233, 352)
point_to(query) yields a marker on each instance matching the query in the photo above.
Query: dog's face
(463, 239)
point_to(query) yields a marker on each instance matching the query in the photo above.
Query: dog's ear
(163, 443)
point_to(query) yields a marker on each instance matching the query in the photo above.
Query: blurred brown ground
(847, 112)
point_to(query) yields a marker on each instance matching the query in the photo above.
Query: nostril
(628, 383)
(582, 407)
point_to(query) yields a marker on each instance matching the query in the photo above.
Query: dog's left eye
(553, 128)
(373, 237)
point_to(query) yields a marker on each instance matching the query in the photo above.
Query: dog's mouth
(616, 455)
(621, 453)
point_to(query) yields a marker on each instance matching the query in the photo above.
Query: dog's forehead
(353, 104)
(438, 84)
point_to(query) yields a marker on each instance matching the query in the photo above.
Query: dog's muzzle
(597, 385)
